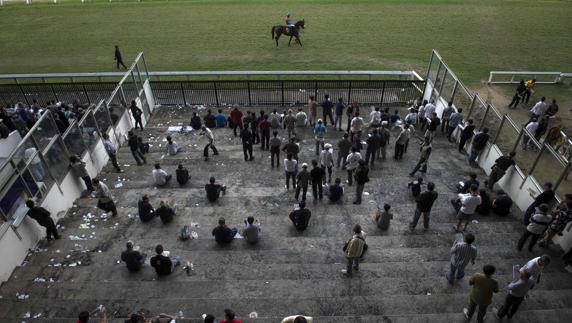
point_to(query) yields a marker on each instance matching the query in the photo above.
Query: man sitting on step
(163, 264)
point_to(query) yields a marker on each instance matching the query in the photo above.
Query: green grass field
(473, 36)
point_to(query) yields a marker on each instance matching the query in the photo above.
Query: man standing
(479, 143)
(446, 116)
(373, 144)
(538, 224)
(301, 118)
(42, 216)
(302, 181)
(434, 123)
(290, 169)
(327, 160)
(340, 107)
(134, 147)
(111, 151)
(118, 58)
(292, 148)
(344, 147)
(78, 167)
(529, 90)
(538, 109)
(502, 164)
(518, 95)
(461, 253)
(545, 197)
(384, 136)
(517, 290)
(312, 111)
(319, 132)
(454, 121)
(290, 124)
(208, 134)
(430, 108)
(424, 203)
(466, 204)
(317, 175)
(356, 129)
(236, 118)
(400, 142)
(354, 250)
(466, 134)
(275, 144)
(425, 150)
(327, 107)
(246, 137)
(535, 267)
(352, 162)
(137, 114)
(361, 177)
(264, 125)
(482, 293)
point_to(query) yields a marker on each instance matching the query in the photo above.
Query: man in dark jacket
(164, 265)
(501, 204)
(502, 164)
(545, 197)
(466, 134)
(361, 177)
(292, 148)
(344, 147)
(42, 216)
(182, 175)
(300, 217)
(134, 147)
(373, 144)
(479, 143)
(196, 122)
(327, 107)
(317, 175)
(213, 190)
(336, 191)
(132, 258)
(146, 211)
(137, 114)
(165, 212)
(518, 95)
(210, 120)
(222, 233)
(118, 58)
(246, 137)
(424, 204)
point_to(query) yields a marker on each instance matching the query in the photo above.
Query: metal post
(282, 84)
(520, 134)
(248, 86)
(536, 160)
(54, 92)
(484, 117)
(350, 92)
(563, 175)
(499, 130)
(442, 83)
(472, 106)
(430, 63)
(382, 92)
(216, 93)
(316, 90)
(454, 90)
(23, 94)
(86, 95)
(184, 96)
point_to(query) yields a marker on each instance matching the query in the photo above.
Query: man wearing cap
(302, 180)
(538, 224)
(327, 160)
(373, 144)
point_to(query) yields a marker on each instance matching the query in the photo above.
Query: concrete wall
(7, 145)
(14, 246)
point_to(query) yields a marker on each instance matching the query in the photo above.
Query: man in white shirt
(538, 109)
(327, 160)
(411, 117)
(301, 118)
(208, 134)
(535, 266)
(290, 168)
(111, 151)
(172, 147)
(352, 162)
(160, 176)
(430, 109)
(357, 124)
(531, 127)
(375, 118)
(468, 205)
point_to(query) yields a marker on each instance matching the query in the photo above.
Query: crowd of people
(374, 134)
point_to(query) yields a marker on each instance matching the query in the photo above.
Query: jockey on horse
(288, 22)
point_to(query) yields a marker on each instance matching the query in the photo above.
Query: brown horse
(279, 30)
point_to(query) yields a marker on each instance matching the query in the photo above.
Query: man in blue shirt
(340, 107)
(220, 119)
(319, 132)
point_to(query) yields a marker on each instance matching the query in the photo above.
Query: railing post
(86, 95)
(282, 85)
(484, 117)
(454, 90)
(536, 159)
(316, 90)
(442, 83)
(562, 176)
(23, 94)
(472, 106)
(382, 92)
(54, 92)
(430, 63)
(248, 86)
(184, 96)
(216, 93)
(520, 134)
(499, 130)
(350, 92)
(436, 79)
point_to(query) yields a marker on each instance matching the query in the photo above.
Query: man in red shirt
(264, 126)
(236, 117)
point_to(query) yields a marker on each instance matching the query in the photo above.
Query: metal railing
(514, 77)
(544, 161)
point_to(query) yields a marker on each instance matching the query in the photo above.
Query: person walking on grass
(482, 293)
(462, 253)
(353, 250)
(118, 59)
(209, 136)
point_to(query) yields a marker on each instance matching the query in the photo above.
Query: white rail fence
(514, 77)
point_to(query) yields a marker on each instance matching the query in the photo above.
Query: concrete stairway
(400, 280)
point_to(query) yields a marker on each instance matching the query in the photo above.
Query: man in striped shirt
(461, 253)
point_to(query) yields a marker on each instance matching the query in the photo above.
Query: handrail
(214, 73)
(558, 76)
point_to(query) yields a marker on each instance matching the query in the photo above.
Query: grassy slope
(473, 36)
